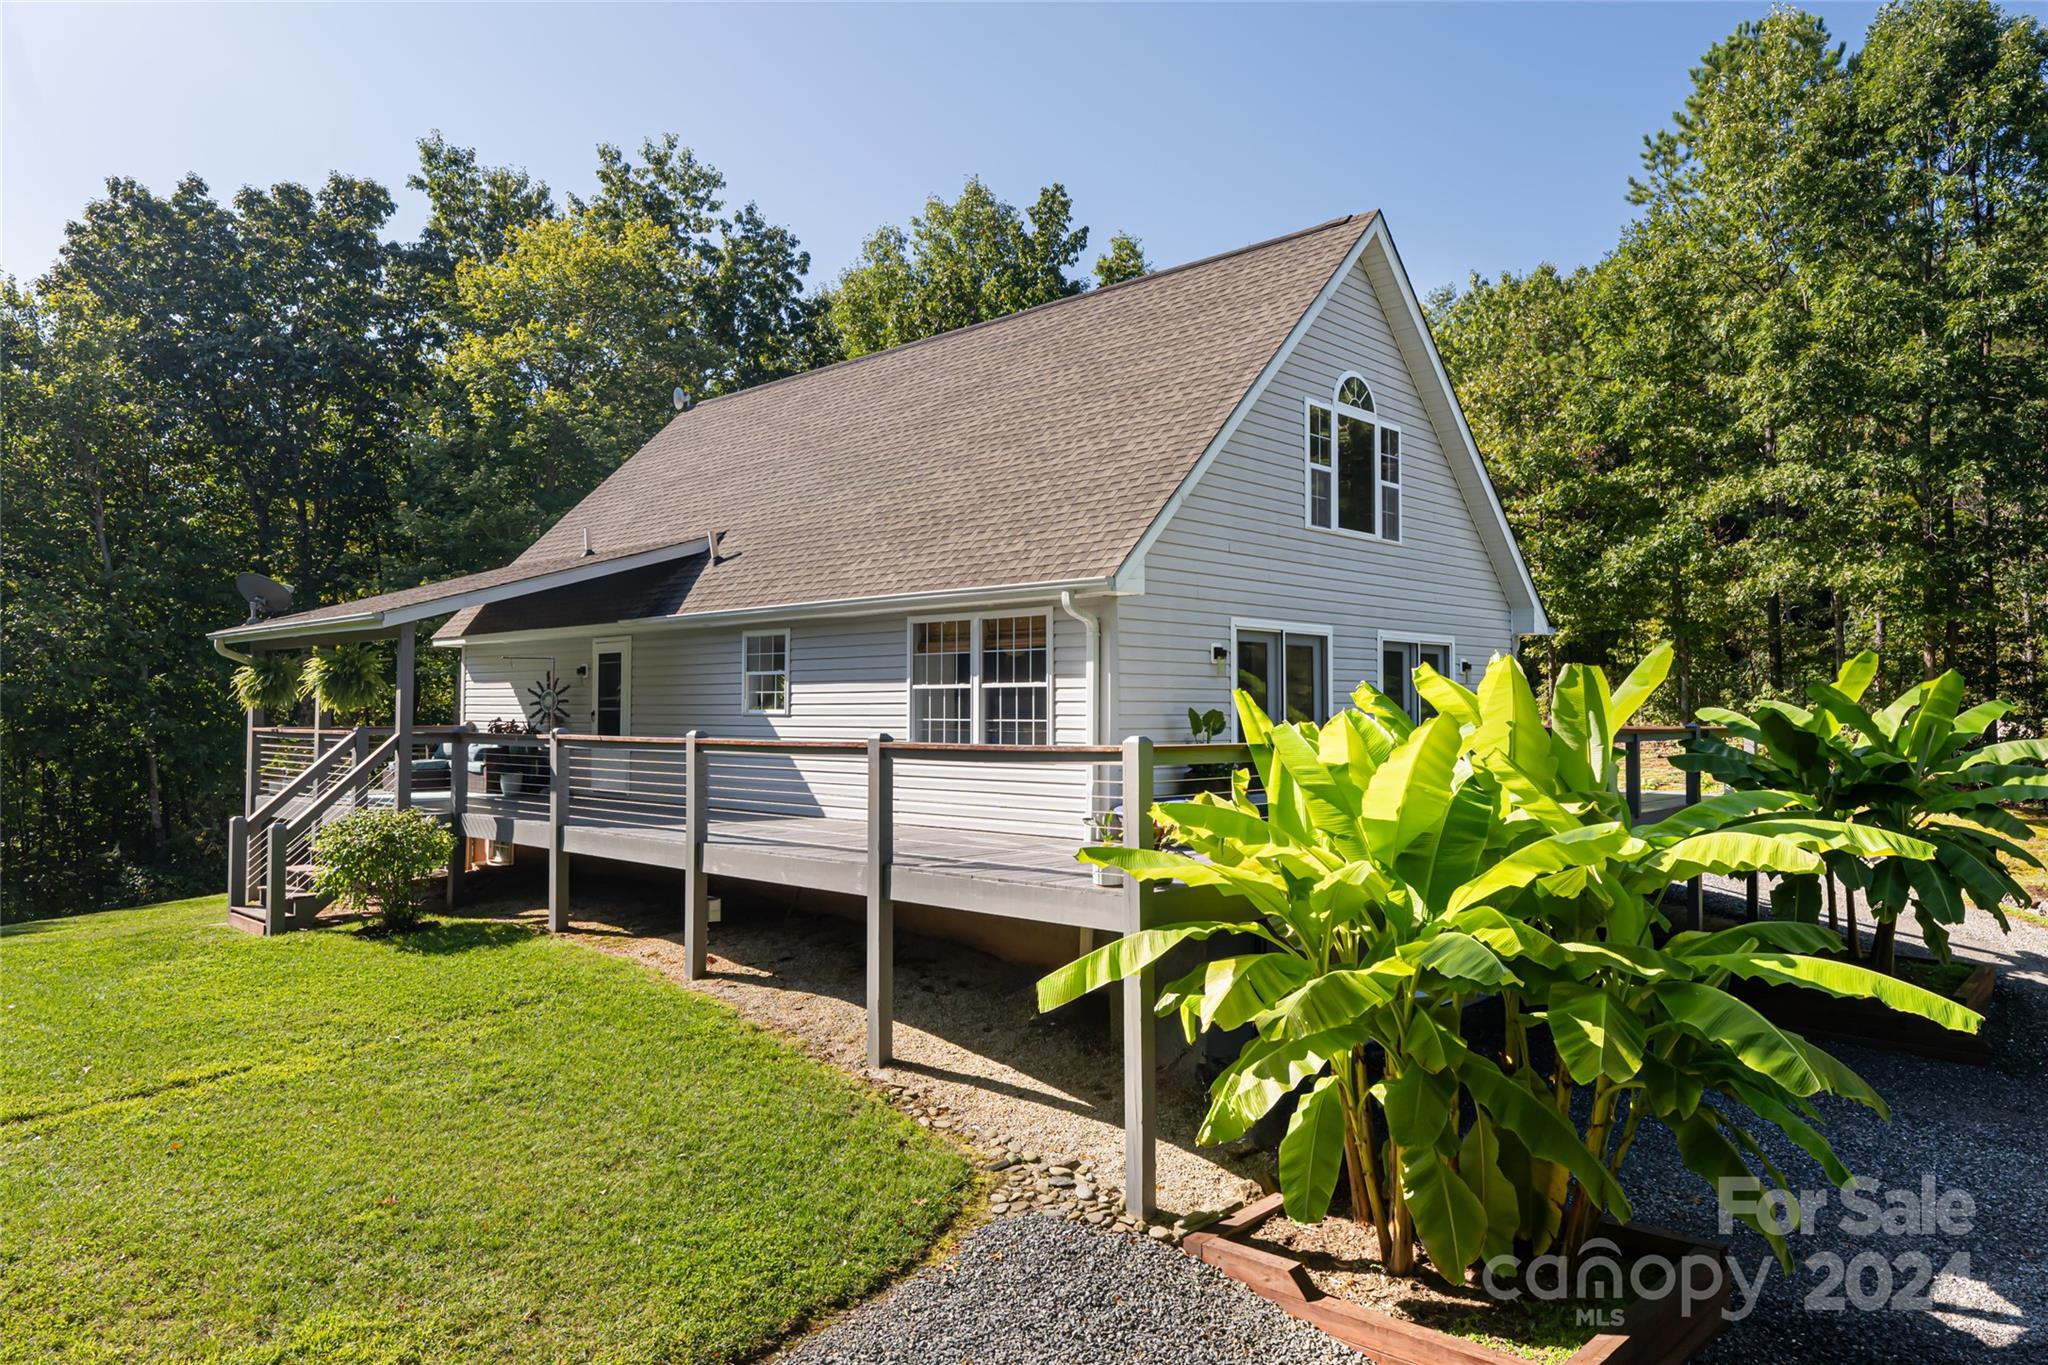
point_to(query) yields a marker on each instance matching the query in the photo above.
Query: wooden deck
(1031, 877)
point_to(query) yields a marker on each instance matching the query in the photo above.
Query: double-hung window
(764, 672)
(1353, 464)
(942, 682)
(981, 680)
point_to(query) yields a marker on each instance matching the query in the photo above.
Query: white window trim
(1240, 624)
(621, 645)
(788, 667)
(1418, 639)
(1379, 422)
(975, 682)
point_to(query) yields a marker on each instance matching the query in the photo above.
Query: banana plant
(1638, 1016)
(1915, 768)
(1399, 872)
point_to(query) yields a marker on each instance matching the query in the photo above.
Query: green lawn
(471, 1141)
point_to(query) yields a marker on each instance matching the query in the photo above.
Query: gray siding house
(1062, 527)
(911, 628)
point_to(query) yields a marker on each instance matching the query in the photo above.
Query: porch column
(458, 803)
(403, 722)
(252, 763)
(558, 818)
(1141, 1036)
(696, 893)
(881, 938)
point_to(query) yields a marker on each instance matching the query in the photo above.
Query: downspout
(1098, 682)
(1098, 707)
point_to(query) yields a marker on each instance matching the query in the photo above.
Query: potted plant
(506, 768)
(1104, 827)
(348, 681)
(268, 682)
(1398, 873)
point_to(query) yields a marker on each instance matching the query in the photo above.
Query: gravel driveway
(1043, 1291)
(1978, 1130)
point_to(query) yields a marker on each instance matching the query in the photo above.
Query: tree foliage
(1125, 260)
(272, 382)
(1802, 407)
(975, 258)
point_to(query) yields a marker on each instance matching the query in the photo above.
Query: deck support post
(402, 722)
(881, 926)
(252, 763)
(458, 803)
(277, 878)
(558, 818)
(238, 860)
(1141, 1036)
(1696, 889)
(696, 894)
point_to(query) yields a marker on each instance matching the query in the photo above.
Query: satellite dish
(265, 596)
(681, 399)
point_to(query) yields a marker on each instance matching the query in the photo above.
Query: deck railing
(851, 797)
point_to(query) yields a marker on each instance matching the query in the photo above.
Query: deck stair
(270, 850)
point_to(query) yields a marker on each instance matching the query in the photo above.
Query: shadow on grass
(440, 938)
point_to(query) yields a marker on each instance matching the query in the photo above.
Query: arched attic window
(1353, 464)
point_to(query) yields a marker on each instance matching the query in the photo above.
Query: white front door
(611, 681)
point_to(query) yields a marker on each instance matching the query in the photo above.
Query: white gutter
(1098, 702)
(220, 647)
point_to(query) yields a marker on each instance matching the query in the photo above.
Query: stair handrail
(268, 810)
(371, 761)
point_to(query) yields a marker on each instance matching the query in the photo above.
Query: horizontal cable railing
(631, 786)
(796, 792)
(755, 782)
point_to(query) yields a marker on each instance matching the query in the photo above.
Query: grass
(471, 1142)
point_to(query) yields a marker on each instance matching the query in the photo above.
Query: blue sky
(1494, 136)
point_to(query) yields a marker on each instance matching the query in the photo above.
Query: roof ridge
(1147, 278)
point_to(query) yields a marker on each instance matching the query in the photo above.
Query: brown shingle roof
(1035, 448)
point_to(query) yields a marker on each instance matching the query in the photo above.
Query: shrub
(376, 860)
